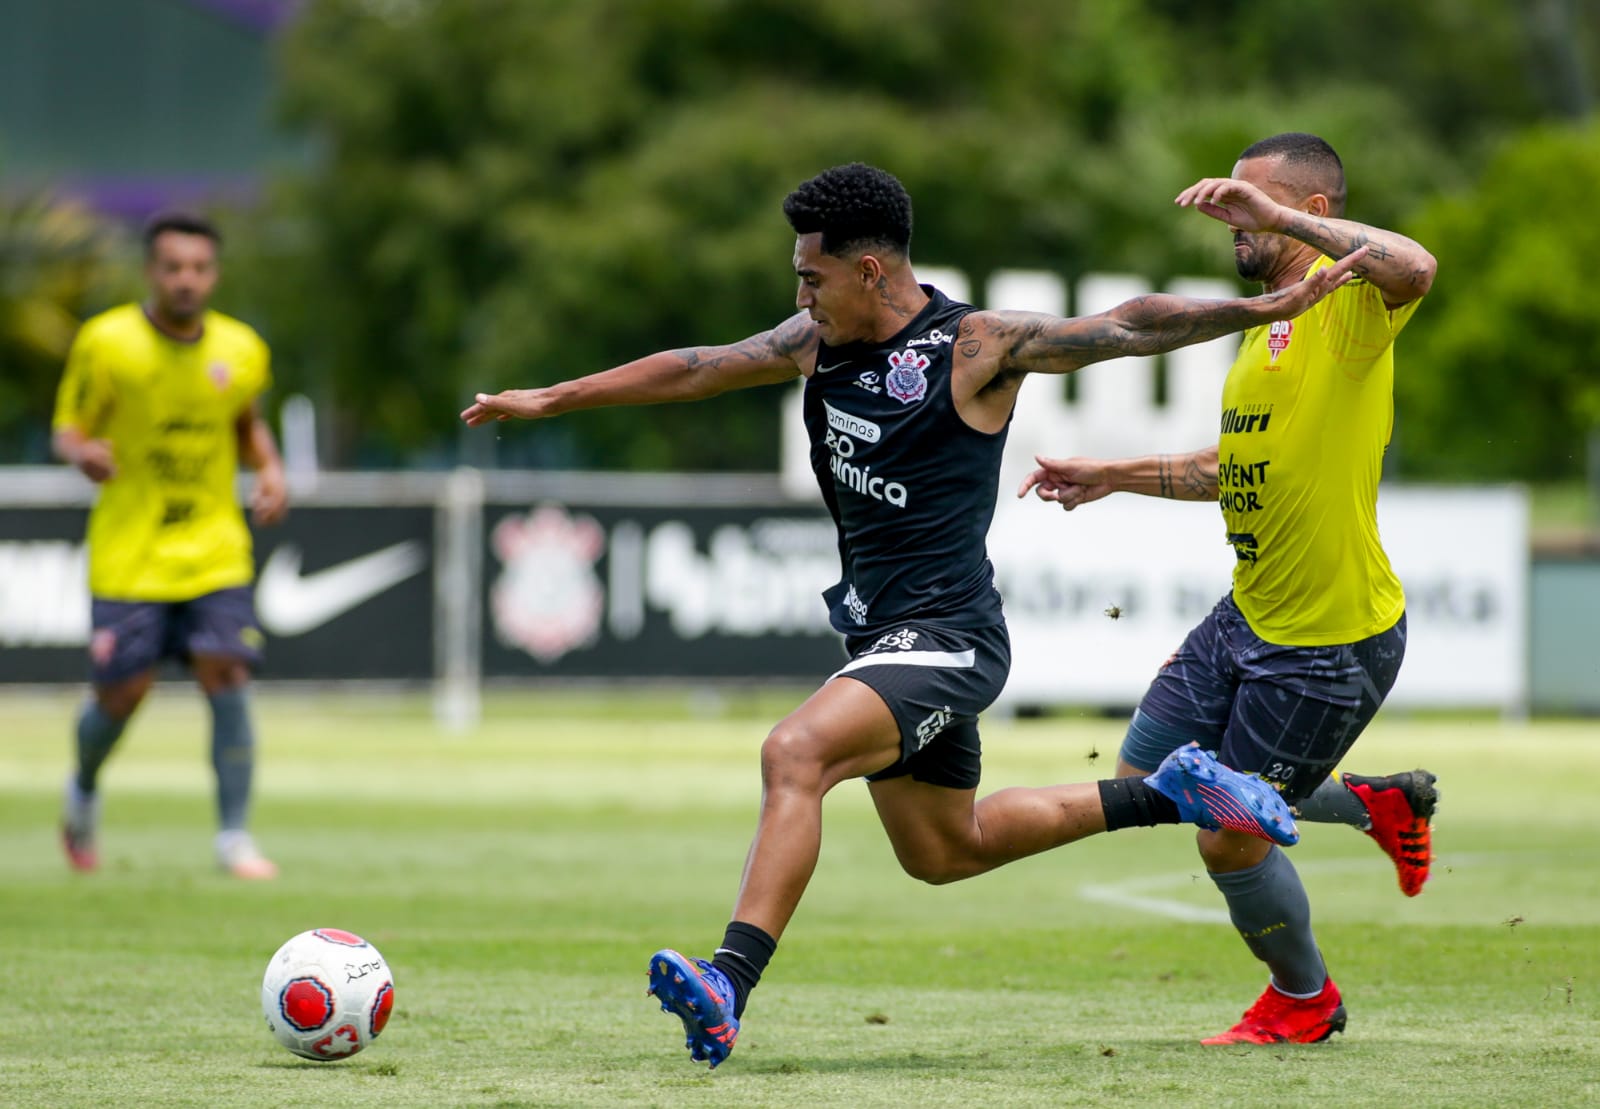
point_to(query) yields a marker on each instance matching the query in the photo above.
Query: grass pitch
(517, 880)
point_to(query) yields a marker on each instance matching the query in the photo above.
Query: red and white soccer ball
(327, 994)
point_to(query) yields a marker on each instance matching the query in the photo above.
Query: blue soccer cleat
(1213, 796)
(702, 997)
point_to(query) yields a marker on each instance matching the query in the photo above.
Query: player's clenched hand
(1068, 482)
(95, 459)
(523, 404)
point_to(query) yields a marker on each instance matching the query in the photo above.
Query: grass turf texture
(518, 879)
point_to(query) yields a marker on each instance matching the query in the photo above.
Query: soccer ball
(327, 994)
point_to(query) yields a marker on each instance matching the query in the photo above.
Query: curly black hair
(855, 206)
(1310, 159)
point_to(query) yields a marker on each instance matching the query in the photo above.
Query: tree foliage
(1501, 373)
(514, 192)
(55, 260)
(542, 190)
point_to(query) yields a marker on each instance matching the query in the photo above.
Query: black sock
(742, 957)
(1133, 803)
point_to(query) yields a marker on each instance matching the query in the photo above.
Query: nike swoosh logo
(291, 603)
(830, 369)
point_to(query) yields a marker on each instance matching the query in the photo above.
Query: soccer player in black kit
(908, 397)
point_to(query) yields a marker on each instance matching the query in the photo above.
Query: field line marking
(1133, 893)
(1128, 894)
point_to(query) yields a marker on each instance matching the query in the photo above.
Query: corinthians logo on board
(548, 599)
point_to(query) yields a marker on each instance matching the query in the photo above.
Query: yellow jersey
(167, 526)
(1307, 411)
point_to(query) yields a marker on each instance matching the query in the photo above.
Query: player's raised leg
(1213, 796)
(1395, 810)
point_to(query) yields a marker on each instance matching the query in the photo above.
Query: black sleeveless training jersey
(910, 485)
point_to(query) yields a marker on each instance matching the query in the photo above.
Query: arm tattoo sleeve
(1399, 267)
(758, 348)
(1185, 477)
(1199, 480)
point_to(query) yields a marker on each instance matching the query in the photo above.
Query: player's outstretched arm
(1070, 482)
(1399, 268)
(668, 376)
(1032, 342)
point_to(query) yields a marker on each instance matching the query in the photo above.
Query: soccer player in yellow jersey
(1287, 670)
(158, 406)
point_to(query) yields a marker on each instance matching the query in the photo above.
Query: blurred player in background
(1286, 671)
(908, 398)
(158, 406)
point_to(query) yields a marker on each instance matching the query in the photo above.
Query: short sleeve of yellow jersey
(263, 361)
(84, 395)
(1358, 325)
(252, 361)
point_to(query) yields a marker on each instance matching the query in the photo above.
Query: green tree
(513, 192)
(56, 261)
(1501, 367)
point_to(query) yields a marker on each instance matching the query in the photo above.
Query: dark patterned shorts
(1288, 714)
(130, 637)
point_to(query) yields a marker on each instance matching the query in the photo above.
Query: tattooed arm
(675, 375)
(1016, 343)
(1396, 266)
(1073, 481)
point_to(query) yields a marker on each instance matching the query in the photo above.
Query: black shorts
(130, 637)
(936, 681)
(1288, 714)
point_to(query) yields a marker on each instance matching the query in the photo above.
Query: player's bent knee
(936, 865)
(939, 873)
(791, 755)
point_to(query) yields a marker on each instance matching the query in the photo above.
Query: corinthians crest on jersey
(906, 381)
(910, 485)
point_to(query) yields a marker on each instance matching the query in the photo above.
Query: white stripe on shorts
(950, 660)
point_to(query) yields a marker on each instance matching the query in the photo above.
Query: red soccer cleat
(1277, 1018)
(1401, 806)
